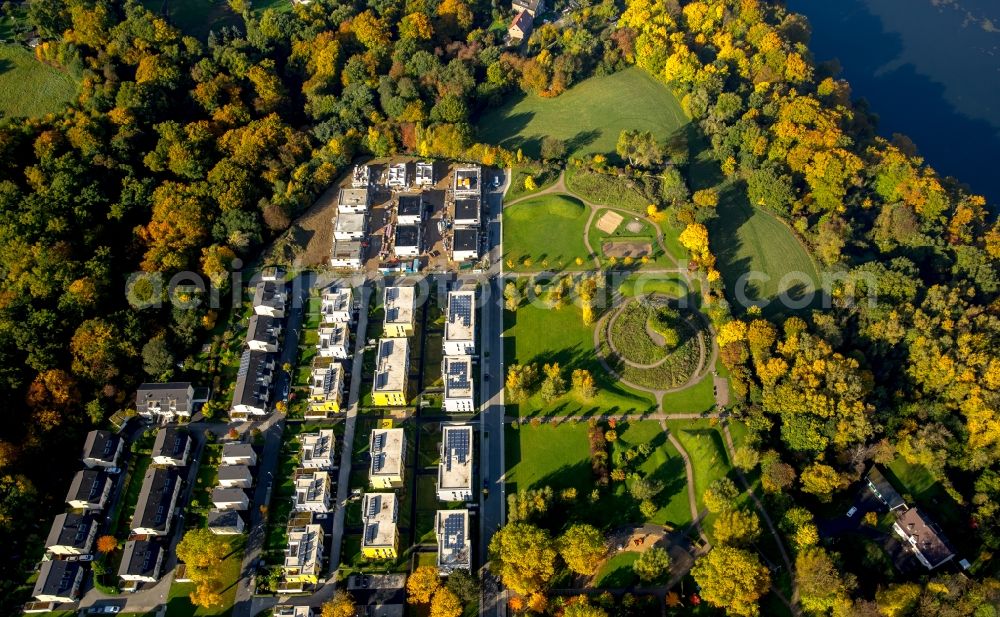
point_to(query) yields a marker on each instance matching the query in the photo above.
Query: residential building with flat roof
(238, 453)
(102, 449)
(318, 449)
(379, 513)
(312, 491)
(270, 298)
(165, 400)
(304, 555)
(142, 561)
(347, 254)
(468, 181)
(392, 367)
(287, 610)
(452, 530)
(89, 490)
(337, 305)
(409, 208)
(58, 581)
(398, 177)
(465, 244)
(326, 385)
(455, 469)
(354, 200)
(924, 538)
(467, 211)
(154, 511)
(350, 226)
(172, 446)
(361, 176)
(458, 388)
(72, 534)
(387, 447)
(264, 333)
(400, 304)
(425, 173)
(460, 327)
(334, 341)
(409, 240)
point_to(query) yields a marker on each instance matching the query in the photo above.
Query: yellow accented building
(400, 305)
(392, 366)
(379, 513)
(387, 448)
(326, 386)
(304, 555)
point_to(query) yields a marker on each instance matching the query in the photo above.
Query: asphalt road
(491, 393)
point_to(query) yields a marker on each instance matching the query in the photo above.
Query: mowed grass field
(589, 116)
(548, 455)
(30, 88)
(541, 335)
(756, 252)
(548, 230)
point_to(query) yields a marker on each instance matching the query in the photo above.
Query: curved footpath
(705, 364)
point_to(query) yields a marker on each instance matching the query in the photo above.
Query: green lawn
(547, 455)
(643, 284)
(198, 17)
(589, 116)
(548, 230)
(747, 240)
(30, 88)
(543, 176)
(706, 448)
(664, 465)
(541, 335)
(616, 573)
(698, 398)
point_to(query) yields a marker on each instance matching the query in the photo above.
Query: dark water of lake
(929, 68)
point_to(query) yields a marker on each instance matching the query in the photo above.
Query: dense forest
(182, 154)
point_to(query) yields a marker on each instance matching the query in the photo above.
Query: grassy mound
(629, 335)
(678, 367)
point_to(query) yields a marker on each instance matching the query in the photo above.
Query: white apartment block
(455, 470)
(460, 329)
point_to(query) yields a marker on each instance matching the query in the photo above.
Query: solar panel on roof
(458, 375)
(372, 506)
(454, 531)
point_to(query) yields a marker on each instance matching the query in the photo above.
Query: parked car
(852, 511)
(113, 470)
